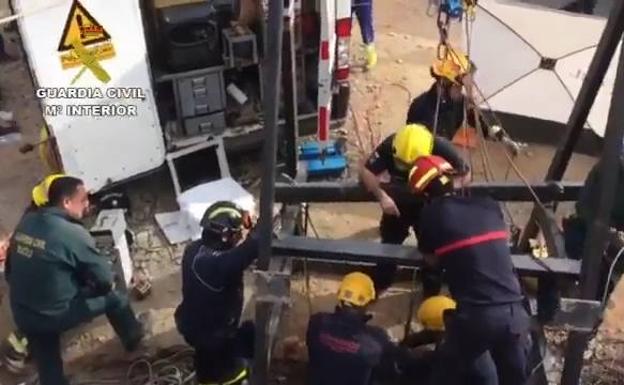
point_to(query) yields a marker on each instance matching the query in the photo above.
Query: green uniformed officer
(58, 279)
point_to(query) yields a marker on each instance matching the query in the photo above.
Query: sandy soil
(406, 40)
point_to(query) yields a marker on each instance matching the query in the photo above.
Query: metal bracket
(272, 287)
(578, 315)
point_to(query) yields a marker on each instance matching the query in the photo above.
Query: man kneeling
(59, 280)
(212, 295)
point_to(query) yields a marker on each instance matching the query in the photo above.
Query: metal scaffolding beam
(271, 81)
(408, 256)
(598, 236)
(354, 192)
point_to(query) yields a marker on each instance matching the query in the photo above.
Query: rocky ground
(406, 40)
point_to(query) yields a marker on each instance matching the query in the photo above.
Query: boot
(371, 56)
(15, 353)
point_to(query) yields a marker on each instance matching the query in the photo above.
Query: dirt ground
(406, 41)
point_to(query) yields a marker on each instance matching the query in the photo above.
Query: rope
(611, 268)
(498, 122)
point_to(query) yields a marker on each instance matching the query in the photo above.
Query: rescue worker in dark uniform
(58, 279)
(576, 229)
(450, 75)
(342, 348)
(14, 349)
(401, 210)
(467, 238)
(212, 295)
(435, 314)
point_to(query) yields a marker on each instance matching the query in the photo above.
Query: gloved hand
(513, 146)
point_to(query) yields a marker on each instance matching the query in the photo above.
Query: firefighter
(435, 314)
(400, 209)
(212, 295)
(342, 347)
(451, 74)
(363, 10)
(467, 237)
(58, 280)
(576, 228)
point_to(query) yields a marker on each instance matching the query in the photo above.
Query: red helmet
(430, 172)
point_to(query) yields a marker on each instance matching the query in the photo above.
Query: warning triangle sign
(81, 25)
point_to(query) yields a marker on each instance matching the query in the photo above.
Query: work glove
(513, 146)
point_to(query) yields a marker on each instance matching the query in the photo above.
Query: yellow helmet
(410, 143)
(356, 289)
(431, 312)
(453, 67)
(40, 191)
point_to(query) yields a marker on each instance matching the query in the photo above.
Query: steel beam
(408, 256)
(271, 80)
(598, 67)
(354, 192)
(289, 80)
(598, 236)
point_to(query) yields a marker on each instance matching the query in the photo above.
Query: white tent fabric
(510, 39)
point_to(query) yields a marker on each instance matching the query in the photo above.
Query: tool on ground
(141, 285)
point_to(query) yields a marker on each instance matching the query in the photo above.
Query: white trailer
(101, 90)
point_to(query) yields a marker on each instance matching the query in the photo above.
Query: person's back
(211, 296)
(342, 349)
(469, 237)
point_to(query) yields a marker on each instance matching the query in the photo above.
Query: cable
(608, 282)
(306, 271)
(175, 369)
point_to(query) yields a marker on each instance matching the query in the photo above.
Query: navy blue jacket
(344, 350)
(468, 235)
(450, 118)
(212, 289)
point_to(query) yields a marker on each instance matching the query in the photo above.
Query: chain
(444, 24)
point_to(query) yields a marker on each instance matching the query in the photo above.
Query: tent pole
(271, 82)
(584, 102)
(597, 238)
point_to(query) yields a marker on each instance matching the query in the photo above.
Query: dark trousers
(503, 330)
(575, 234)
(220, 357)
(44, 341)
(394, 230)
(363, 10)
